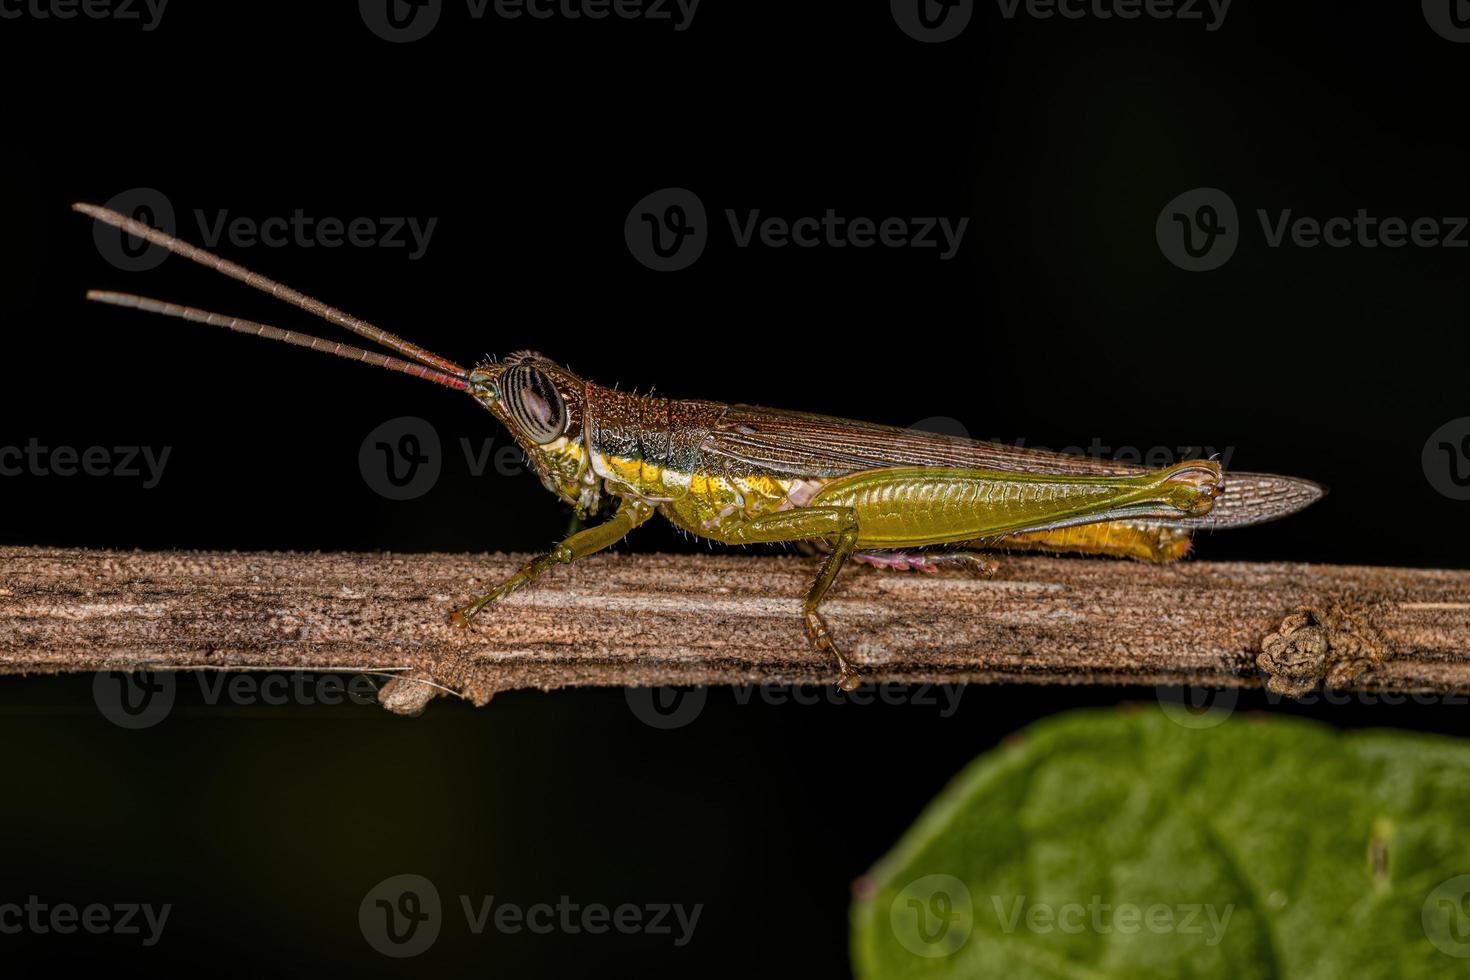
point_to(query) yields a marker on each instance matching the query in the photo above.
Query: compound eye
(534, 404)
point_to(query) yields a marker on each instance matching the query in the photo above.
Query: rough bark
(654, 619)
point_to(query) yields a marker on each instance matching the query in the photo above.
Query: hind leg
(837, 525)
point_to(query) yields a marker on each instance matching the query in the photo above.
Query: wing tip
(1263, 497)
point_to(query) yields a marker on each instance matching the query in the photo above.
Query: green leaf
(1108, 844)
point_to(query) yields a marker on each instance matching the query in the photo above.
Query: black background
(1059, 321)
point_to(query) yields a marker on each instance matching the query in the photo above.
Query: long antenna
(276, 333)
(256, 281)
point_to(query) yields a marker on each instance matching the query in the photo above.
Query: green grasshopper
(740, 474)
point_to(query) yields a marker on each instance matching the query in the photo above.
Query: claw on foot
(848, 678)
(462, 616)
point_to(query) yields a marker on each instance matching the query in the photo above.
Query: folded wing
(799, 444)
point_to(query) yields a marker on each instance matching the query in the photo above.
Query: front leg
(630, 514)
(839, 525)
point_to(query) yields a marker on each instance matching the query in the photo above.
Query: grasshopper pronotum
(739, 474)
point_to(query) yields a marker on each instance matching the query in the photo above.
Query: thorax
(649, 448)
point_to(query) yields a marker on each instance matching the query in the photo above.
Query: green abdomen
(915, 506)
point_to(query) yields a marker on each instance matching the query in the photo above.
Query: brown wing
(798, 444)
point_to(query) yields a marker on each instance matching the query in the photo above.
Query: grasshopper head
(540, 403)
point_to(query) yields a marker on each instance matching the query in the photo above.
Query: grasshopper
(741, 474)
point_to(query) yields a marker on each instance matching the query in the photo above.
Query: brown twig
(656, 619)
